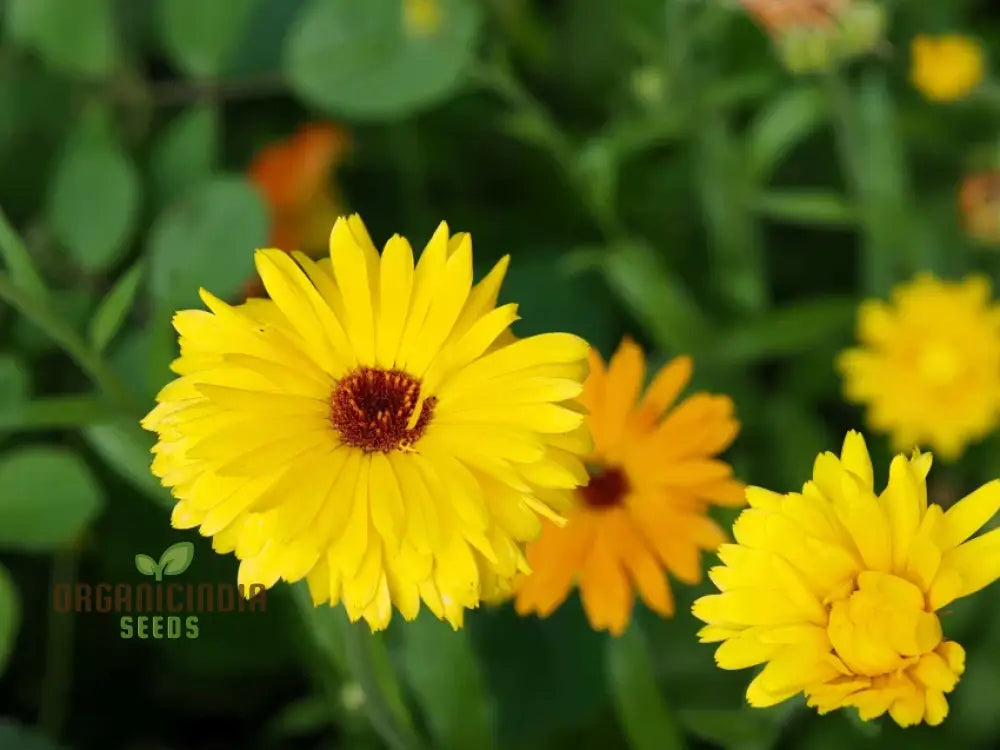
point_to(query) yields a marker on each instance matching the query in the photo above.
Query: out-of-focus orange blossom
(295, 176)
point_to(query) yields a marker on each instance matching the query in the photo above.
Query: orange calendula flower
(653, 474)
(816, 35)
(302, 200)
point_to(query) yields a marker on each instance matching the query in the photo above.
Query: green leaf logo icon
(175, 560)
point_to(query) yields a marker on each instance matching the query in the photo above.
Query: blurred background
(721, 179)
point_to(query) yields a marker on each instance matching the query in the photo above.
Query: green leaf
(111, 313)
(358, 59)
(49, 497)
(207, 240)
(177, 558)
(788, 330)
(93, 203)
(19, 264)
(784, 123)
(186, 151)
(442, 671)
(810, 208)
(14, 736)
(642, 712)
(200, 36)
(658, 299)
(15, 383)
(74, 37)
(10, 617)
(124, 446)
(145, 565)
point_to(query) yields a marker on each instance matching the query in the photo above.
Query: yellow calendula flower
(946, 68)
(372, 427)
(928, 367)
(653, 475)
(836, 590)
(422, 18)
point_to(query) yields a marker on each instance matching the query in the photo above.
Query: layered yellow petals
(835, 590)
(372, 427)
(926, 364)
(643, 513)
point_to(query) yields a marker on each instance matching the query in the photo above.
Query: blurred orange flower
(779, 15)
(979, 205)
(303, 202)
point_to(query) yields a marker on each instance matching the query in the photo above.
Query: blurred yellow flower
(946, 68)
(653, 476)
(369, 429)
(422, 17)
(836, 590)
(928, 367)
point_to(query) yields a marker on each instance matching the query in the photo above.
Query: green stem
(69, 340)
(58, 651)
(358, 652)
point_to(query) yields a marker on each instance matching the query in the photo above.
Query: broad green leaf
(14, 736)
(807, 207)
(93, 204)
(788, 330)
(145, 565)
(176, 558)
(644, 716)
(658, 299)
(124, 446)
(359, 59)
(200, 36)
(784, 123)
(10, 617)
(185, 153)
(207, 239)
(49, 496)
(442, 671)
(76, 37)
(114, 308)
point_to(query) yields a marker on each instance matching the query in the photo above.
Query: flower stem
(39, 313)
(58, 651)
(357, 650)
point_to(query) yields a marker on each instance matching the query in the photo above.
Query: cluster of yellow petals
(836, 590)
(927, 364)
(373, 427)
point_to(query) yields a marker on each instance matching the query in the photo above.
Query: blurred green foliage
(653, 170)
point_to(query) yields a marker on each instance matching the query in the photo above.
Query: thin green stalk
(58, 651)
(877, 269)
(387, 719)
(55, 413)
(39, 313)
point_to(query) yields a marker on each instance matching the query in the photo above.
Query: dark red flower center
(371, 409)
(607, 488)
